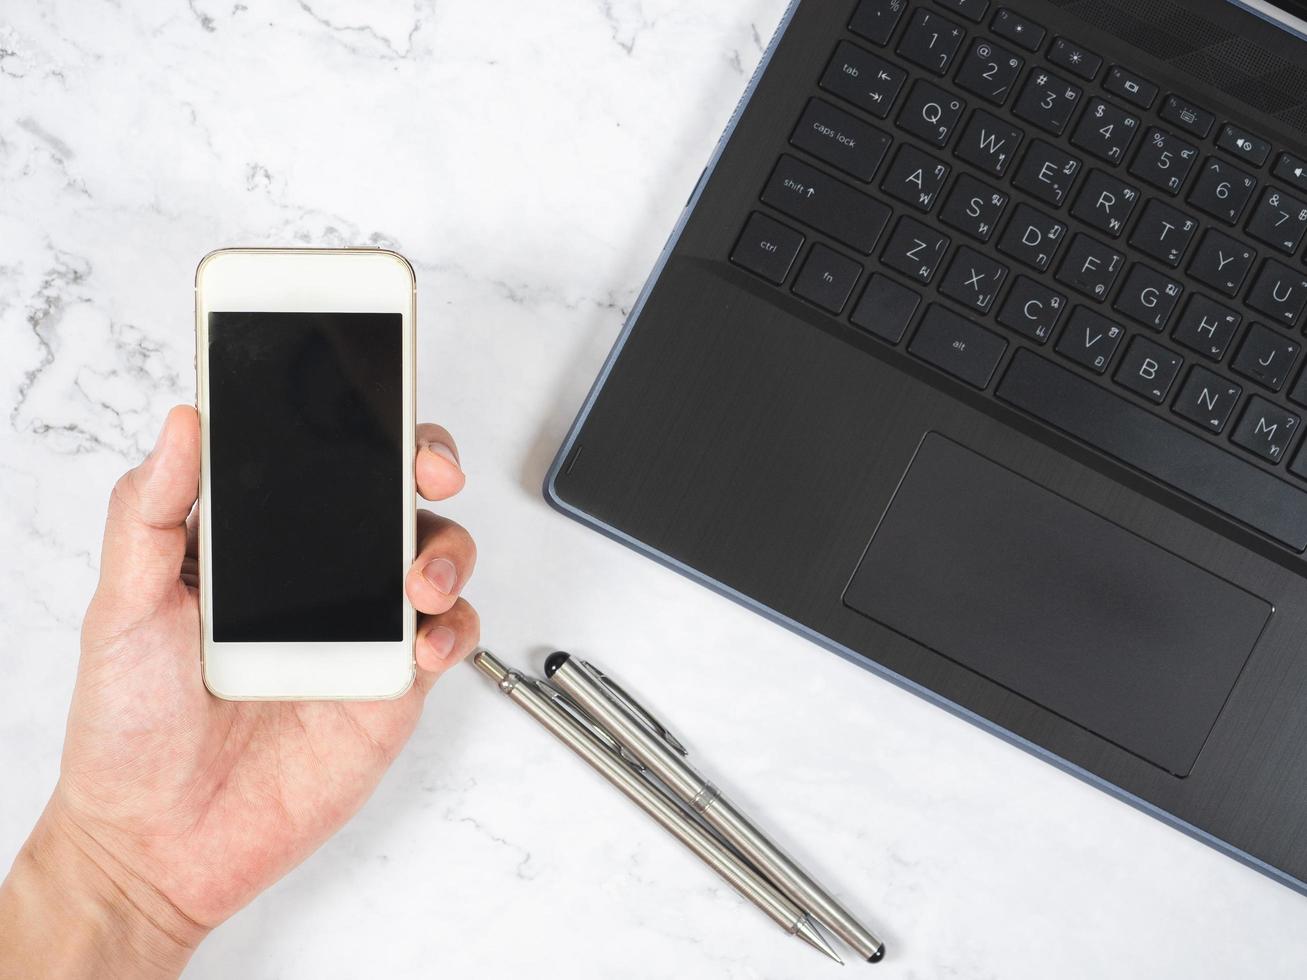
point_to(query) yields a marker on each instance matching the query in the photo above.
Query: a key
(973, 207)
(886, 309)
(1047, 173)
(1047, 101)
(1017, 29)
(954, 344)
(1279, 220)
(915, 177)
(1032, 237)
(1279, 292)
(1148, 369)
(930, 113)
(1032, 309)
(989, 71)
(930, 41)
(1105, 131)
(1131, 87)
(869, 82)
(827, 278)
(989, 143)
(1221, 262)
(1105, 202)
(1222, 190)
(1089, 339)
(1074, 58)
(767, 248)
(1206, 398)
(1164, 160)
(1163, 232)
(1206, 327)
(842, 140)
(1266, 356)
(1187, 116)
(1090, 267)
(914, 249)
(1148, 297)
(973, 279)
(876, 19)
(1243, 144)
(1265, 429)
(833, 208)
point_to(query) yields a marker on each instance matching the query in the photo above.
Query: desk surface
(530, 159)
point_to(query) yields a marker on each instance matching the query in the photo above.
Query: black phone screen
(306, 476)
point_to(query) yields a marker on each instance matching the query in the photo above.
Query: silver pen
(646, 740)
(546, 707)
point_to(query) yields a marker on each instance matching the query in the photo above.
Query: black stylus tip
(554, 661)
(877, 956)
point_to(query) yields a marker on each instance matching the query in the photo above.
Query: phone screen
(306, 475)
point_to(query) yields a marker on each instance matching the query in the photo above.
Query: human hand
(173, 808)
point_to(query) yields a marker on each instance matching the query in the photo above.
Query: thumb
(145, 534)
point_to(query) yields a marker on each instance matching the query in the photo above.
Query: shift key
(954, 344)
(824, 203)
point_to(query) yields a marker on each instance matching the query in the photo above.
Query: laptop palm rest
(1057, 604)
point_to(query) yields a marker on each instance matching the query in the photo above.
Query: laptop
(977, 358)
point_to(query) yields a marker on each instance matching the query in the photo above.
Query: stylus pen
(535, 698)
(644, 738)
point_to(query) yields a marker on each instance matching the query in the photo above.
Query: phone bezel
(364, 280)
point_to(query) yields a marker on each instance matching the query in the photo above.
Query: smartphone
(305, 389)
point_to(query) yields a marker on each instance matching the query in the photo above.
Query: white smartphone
(305, 388)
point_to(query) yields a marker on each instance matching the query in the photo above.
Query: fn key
(954, 344)
(767, 248)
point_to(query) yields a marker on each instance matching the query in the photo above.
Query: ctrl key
(954, 344)
(767, 248)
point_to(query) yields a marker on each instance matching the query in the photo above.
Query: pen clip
(618, 693)
(585, 721)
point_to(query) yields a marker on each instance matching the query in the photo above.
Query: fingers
(437, 468)
(445, 640)
(446, 557)
(145, 533)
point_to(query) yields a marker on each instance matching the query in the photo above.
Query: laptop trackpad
(1057, 604)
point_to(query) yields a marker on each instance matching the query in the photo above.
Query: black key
(1221, 262)
(1074, 58)
(1299, 466)
(1278, 220)
(842, 140)
(1293, 172)
(886, 309)
(1018, 29)
(1222, 190)
(930, 113)
(1164, 160)
(1105, 131)
(954, 344)
(1090, 267)
(833, 208)
(1047, 173)
(1206, 327)
(1279, 292)
(1187, 116)
(869, 82)
(915, 177)
(914, 249)
(1032, 237)
(1298, 393)
(973, 279)
(1265, 429)
(1089, 339)
(1125, 83)
(974, 207)
(1148, 297)
(1266, 356)
(767, 247)
(989, 71)
(1163, 232)
(974, 10)
(876, 19)
(930, 41)
(1105, 202)
(1047, 101)
(827, 278)
(1207, 399)
(1148, 369)
(1032, 309)
(1243, 144)
(989, 143)
(1156, 447)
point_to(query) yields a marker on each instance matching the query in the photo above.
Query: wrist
(69, 908)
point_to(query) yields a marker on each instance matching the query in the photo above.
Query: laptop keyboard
(1059, 232)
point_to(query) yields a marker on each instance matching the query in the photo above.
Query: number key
(989, 71)
(1105, 131)
(1047, 101)
(1278, 220)
(931, 41)
(1222, 190)
(1164, 160)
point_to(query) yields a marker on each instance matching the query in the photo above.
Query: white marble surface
(530, 159)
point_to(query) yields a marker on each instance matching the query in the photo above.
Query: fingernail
(442, 575)
(445, 452)
(440, 640)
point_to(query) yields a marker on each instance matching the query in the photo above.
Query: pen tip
(554, 661)
(877, 956)
(809, 933)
